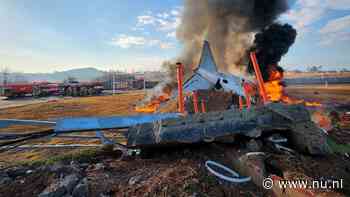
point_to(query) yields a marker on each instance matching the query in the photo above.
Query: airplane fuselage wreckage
(172, 129)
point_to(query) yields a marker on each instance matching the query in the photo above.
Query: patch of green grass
(209, 180)
(205, 181)
(338, 148)
(192, 188)
(81, 156)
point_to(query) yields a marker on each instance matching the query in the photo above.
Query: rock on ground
(62, 187)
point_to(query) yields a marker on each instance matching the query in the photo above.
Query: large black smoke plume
(270, 45)
(228, 25)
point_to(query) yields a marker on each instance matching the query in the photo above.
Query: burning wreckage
(263, 113)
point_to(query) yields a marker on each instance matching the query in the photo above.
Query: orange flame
(154, 105)
(155, 102)
(274, 88)
(275, 91)
(313, 104)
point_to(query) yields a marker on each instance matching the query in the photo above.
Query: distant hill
(81, 74)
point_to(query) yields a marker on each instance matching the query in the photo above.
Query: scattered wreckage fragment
(64, 126)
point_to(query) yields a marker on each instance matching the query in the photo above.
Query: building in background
(122, 81)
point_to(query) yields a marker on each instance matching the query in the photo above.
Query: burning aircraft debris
(152, 104)
(291, 119)
(270, 45)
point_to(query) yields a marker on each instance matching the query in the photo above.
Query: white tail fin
(207, 61)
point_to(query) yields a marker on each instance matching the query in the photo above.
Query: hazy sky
(44, 36)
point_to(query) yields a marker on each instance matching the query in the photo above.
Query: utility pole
(113, 81)
(5, 74)
(325, 79)
(144, 81)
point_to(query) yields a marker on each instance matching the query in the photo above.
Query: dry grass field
(331, 94)
(88, 106)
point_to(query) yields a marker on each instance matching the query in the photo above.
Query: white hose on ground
(324, 130)
(254, 154)
(235, 176)
(283, 148)
(274, 140)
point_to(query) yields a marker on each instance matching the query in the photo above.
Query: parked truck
(75, 88)
(43, 89)
(16, 90)
(46, 89)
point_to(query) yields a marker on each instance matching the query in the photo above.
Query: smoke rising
(228, 25)
(270, 45)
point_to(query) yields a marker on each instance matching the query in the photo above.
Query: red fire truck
(17, 90)
(43, 89)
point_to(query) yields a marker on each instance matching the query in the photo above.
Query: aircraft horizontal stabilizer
(197, 82)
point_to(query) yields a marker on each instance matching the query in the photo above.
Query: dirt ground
(178, 172)
(331, 94)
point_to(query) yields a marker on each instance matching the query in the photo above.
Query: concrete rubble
(4, 178)
(62, 187)
(82, 189)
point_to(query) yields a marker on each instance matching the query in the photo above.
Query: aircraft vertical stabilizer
(207, 61)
